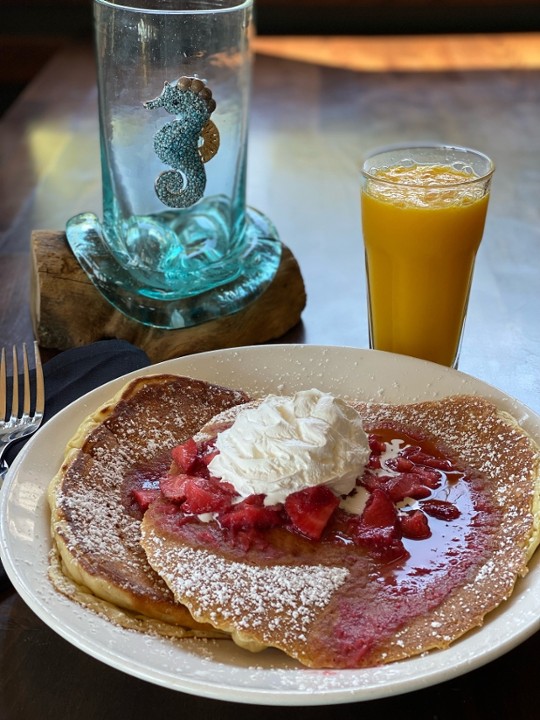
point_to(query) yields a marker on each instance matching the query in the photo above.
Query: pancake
(334, 603)
(97, 559)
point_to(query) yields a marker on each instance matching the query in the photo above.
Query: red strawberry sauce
(426, 527)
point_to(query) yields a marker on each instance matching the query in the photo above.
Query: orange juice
(422, 227)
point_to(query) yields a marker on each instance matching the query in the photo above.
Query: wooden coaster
(68, 311)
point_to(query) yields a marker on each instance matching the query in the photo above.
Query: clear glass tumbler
(177, 245)
(423, 216)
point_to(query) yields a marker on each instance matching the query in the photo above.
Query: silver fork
(14, 424)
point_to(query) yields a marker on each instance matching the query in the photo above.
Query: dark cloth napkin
(73, 373)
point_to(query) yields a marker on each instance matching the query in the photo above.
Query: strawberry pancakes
(347, 535)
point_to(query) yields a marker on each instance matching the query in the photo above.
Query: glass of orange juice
(423, 215)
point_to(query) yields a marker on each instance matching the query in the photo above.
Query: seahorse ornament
(178, 143)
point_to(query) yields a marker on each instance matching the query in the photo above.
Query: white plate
(217, 669)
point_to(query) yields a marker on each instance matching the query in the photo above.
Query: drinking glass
(423, 216)
(177, 244)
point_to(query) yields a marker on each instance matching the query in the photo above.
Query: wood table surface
(318, 105)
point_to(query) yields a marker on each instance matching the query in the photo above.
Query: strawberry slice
(144, 496)
(207, 451)
(378, 529)
(430, 477)
(376, 443)
(250, 514)
(371, 481)
(185, 455)
(414, 525)
(379, 512)
(400, 464)
(406, 485)
(173, 487)
(310, 510)
(398, 487)
(418, 457)
(255, 499)
(208, 456)
(206, 495)
(440, 509)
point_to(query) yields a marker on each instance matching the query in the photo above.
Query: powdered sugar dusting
(136, 429)
(498, 429)
(493, 445)
(274, 605)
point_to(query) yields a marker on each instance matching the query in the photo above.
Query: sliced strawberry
(377, 529)
(207, 451)
(185, 455)
(374, 462)
(206, 495)
(380, 511)
(409, 484)
(400, 464)
(406, 485)
(421, 458)
(376, 444)
(256, 499)
(247, 515)
(414, 525)
(371, 481)
(173, 487)
(440, 509)
(208, 456)
(310, 510)
(144, 496)
(428, 476)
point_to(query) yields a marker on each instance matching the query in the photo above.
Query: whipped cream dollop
(288, 443)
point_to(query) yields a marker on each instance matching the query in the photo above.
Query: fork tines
(30, 401)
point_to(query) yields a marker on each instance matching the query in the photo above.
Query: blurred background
(31, 31)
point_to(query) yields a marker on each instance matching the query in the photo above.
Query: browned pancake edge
(97, 555)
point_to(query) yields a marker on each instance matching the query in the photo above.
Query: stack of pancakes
(98, 558)
(296, 595)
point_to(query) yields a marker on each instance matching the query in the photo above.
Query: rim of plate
(250, 681)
